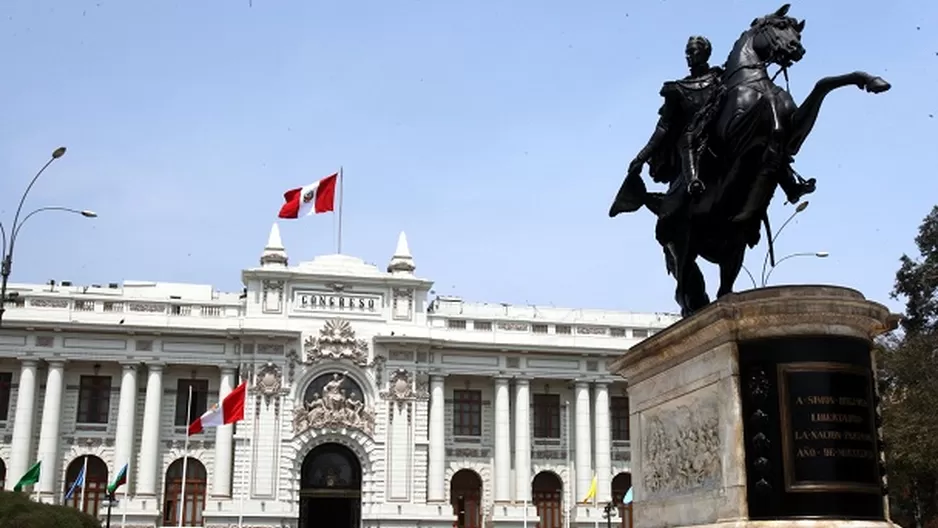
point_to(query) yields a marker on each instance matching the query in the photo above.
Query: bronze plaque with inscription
(828, 428)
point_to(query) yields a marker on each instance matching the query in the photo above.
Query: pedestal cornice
(756, 314)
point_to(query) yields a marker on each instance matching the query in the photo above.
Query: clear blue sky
(495, 133)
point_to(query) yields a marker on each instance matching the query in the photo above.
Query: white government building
(371, 402)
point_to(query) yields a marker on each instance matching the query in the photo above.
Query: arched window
(621, 485)
(465, 491)
(90, 495)
(191, 505)
(3, 475)
(547, 492)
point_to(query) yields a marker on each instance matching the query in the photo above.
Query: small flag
(31, 477)
(79, 481)
(119, 481)
(318, 197)
(591, 494)
(231, 410)
(627, 499)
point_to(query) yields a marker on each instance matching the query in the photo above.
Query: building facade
(371, 402)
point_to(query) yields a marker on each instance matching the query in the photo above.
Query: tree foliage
(908, 381)
(18, 511)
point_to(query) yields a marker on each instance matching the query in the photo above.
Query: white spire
(274, 252)
(402, 263)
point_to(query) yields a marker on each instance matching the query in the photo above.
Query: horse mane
(779, 20)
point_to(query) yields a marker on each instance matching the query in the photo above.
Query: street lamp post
(9, 243)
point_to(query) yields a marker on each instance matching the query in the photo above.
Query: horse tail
(770, 240)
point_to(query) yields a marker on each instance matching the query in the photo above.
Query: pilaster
(583, 454)
(49, 430)
(437, 438)
(221, 485)
(603, 443)
(149, 465)
(21, 449)
(126, 414)
(522, 439)
(502, 468)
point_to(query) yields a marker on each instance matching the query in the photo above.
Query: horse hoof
(877, 85)
(696, 188)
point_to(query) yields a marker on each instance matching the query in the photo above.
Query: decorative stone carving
(335, 408)
(273, 296)
(401, 355)
(681, 450)
(270, 349)
(400, 387)
(423, 385)
(336, 341)
(402, 304)
(468, 452)
(49, 303)
(378, 364)
(512, 326)
(268, 382)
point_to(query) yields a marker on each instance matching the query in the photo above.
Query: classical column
(49, 430)
(584, 473)
(21, 456)
(437, 434)
(603, 446)
(502, 441)
(221, 486)
(126, 414)
(150, 462)
(522, 440)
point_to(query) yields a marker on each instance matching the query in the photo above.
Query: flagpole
(126, 488)
(185, 458)
(341, 193)
(36, 485)
(244, 474)
(84, 485)
(568, 497)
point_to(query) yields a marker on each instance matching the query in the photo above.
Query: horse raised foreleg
(803, 119)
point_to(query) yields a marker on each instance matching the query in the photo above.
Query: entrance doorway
(331, 488)
(466, 494)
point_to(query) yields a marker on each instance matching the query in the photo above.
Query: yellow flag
(591, 494)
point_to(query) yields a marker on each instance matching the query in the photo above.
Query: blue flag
(628, 497)
(78, 482)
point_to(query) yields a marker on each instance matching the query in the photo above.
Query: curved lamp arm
(56, 154)
(16, 230)
(765, 262)
(818, 254)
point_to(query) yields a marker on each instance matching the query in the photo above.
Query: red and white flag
(231, 410)
(315, 198)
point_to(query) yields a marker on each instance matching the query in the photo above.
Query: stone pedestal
(760, 410)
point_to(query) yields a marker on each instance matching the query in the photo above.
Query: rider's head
(697, 51)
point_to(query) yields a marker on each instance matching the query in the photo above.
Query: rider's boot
(795, 188)
(689, 166)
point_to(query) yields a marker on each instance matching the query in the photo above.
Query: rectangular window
(619, 415)
(546, 416)
(6, 384)
(467, 413)
(94, 400)
(197, 405)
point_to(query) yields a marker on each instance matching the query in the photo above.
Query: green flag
(31, 477)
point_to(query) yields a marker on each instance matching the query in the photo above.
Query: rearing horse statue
(744, 138)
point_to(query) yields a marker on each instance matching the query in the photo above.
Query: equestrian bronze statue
(725, 140)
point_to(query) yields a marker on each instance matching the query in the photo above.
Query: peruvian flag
(318, 197)
(231, 410)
